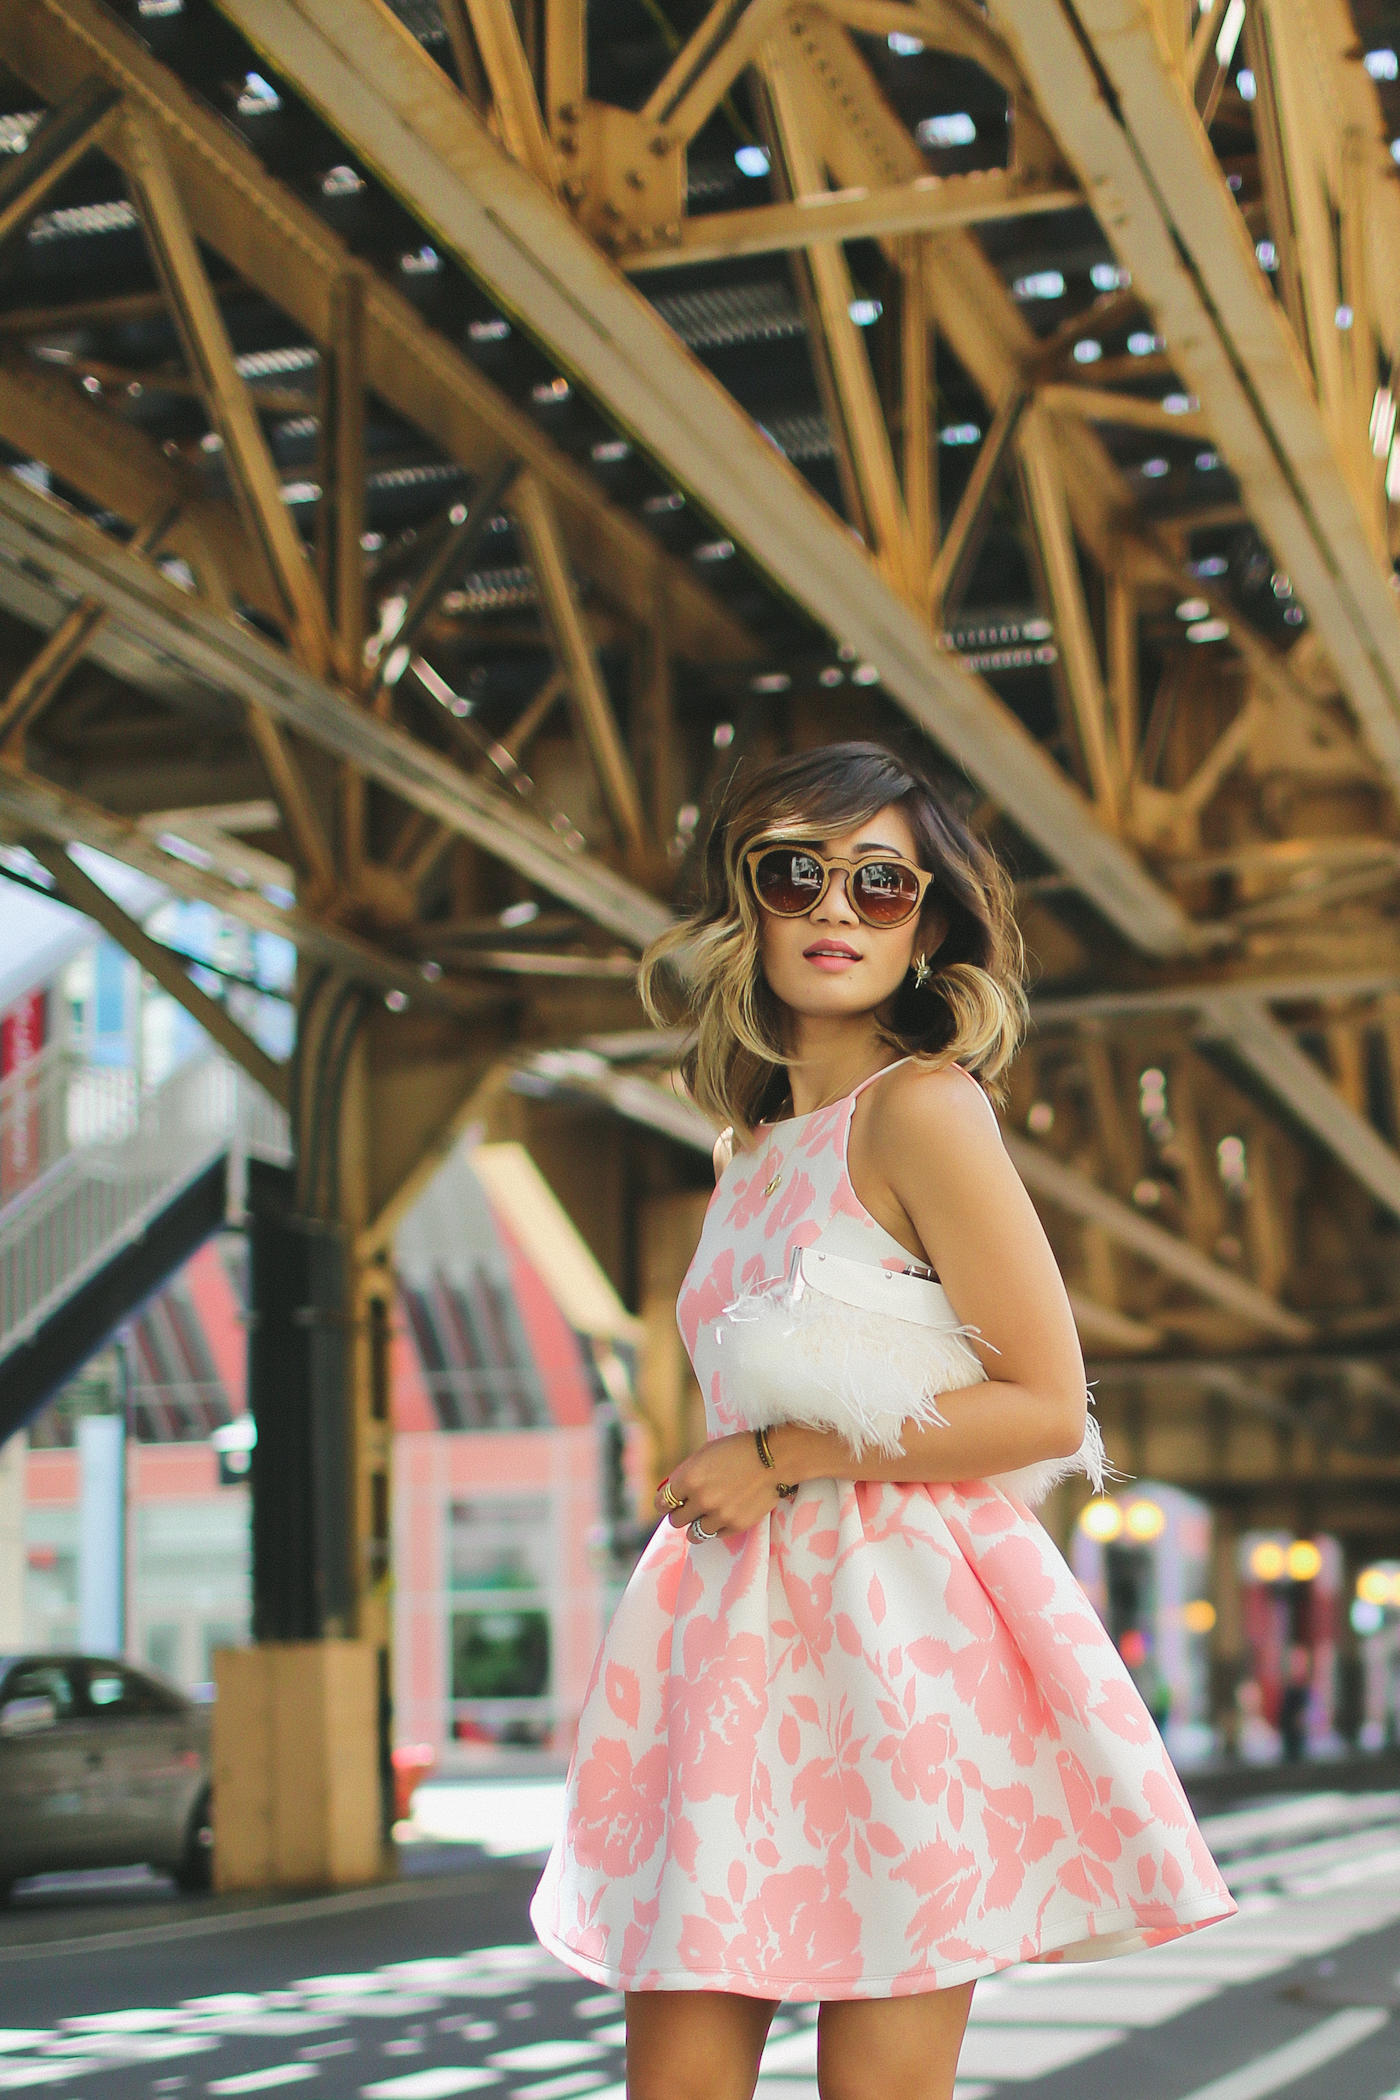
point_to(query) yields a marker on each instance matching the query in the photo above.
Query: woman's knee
(844, 2077)
(875, 2049)
(698, 2045)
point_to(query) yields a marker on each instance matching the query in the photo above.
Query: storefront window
(499, 1553)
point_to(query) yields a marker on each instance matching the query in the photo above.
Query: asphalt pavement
(432, 1986)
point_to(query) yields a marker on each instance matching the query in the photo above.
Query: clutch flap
(918, 1299)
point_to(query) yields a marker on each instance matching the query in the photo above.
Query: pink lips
(830, 955)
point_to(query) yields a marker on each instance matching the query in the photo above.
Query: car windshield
(41, 1680)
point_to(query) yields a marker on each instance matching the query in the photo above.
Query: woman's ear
(933, 932)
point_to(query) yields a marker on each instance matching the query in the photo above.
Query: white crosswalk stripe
(1312, 1874)
(1309, 2052)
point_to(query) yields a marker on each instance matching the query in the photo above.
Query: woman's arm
(930, 1165)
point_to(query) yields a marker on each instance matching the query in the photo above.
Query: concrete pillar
(1227, 1648)
(301, 1725)
(102, 1534)
(296, 1765)
(12, 1556)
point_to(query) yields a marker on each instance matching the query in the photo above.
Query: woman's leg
(874, 2048)
(695, 2045)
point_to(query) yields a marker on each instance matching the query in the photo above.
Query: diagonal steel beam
(209, 354)
(43, 677)
(1243, 1022)
(587, 688)
(708, 64)
(928, 204)
(120, 468)
(512, 86)
(51, 152)
(278, 244)
(1128, 124)
(452, 556)
(76, 887)
(1070, 1190)
(365, 73)
(53, 543)
(30, 807)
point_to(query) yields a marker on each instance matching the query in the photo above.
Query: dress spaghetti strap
(870, 1079)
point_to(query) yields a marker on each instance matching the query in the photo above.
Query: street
(432, 1986)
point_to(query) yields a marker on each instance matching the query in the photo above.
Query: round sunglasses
(882, 889)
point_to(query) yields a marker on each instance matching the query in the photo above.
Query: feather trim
(1033, 1483)
(808, 1358)
(796, 1354)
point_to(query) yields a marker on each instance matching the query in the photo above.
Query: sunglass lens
(884, 892)
(788, 882)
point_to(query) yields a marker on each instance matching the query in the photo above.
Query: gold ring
(669, 1496)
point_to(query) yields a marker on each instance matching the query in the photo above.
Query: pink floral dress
(880, 1744)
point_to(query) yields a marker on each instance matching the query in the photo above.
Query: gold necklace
(770, 1186)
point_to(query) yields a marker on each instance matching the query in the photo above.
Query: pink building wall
(434, 1468)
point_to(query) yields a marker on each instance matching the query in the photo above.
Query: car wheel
(194, 1870)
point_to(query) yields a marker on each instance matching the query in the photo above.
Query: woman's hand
(724, 1484)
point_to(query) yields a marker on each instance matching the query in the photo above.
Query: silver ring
(698, 1533)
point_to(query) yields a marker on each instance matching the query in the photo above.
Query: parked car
(101, 1765)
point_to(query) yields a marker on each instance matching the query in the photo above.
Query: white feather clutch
(843, 1345)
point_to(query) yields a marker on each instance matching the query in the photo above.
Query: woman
(854, 1734)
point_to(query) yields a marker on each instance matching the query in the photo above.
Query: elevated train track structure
(457, 432)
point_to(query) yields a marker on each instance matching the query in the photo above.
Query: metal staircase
(106, 1186)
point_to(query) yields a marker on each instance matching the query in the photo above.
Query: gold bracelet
(786, 1488)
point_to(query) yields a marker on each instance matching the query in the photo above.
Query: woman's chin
(832, 1000)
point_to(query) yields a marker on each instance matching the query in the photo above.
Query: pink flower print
(919, 1758)
(1017, 1838)
(825, 1132)
(637, 1937)
(1121, 1709)
(717, 1711)
(1162, 1792)
(624, 1693)
(845, 1203)
(818, 1792)
(1016, 1571)
(618, 1807)
(751, 1195)
(997, 1685)
(968, 1601)
(683, 1845)
(1099, 1826)
(791, 1204)
(702, 1946)
(832, 1794)
(702, 1306)
(1053, 1661)
(947, 1876)
(1165, 1798)
(809, 1603)
(800, 1926)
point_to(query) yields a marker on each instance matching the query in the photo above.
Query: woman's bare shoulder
(941, 1107)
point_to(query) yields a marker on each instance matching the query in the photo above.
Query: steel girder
(1149, 171)
(356, 64)
(230, 658)
(277, 244)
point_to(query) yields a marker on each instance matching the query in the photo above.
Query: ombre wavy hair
(706, 970)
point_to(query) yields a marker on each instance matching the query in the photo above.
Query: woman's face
(830, 963)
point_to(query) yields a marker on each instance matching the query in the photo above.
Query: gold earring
(922, 972)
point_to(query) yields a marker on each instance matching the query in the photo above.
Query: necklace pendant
(773, 1183)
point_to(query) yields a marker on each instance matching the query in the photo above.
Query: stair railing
(94, 1159)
